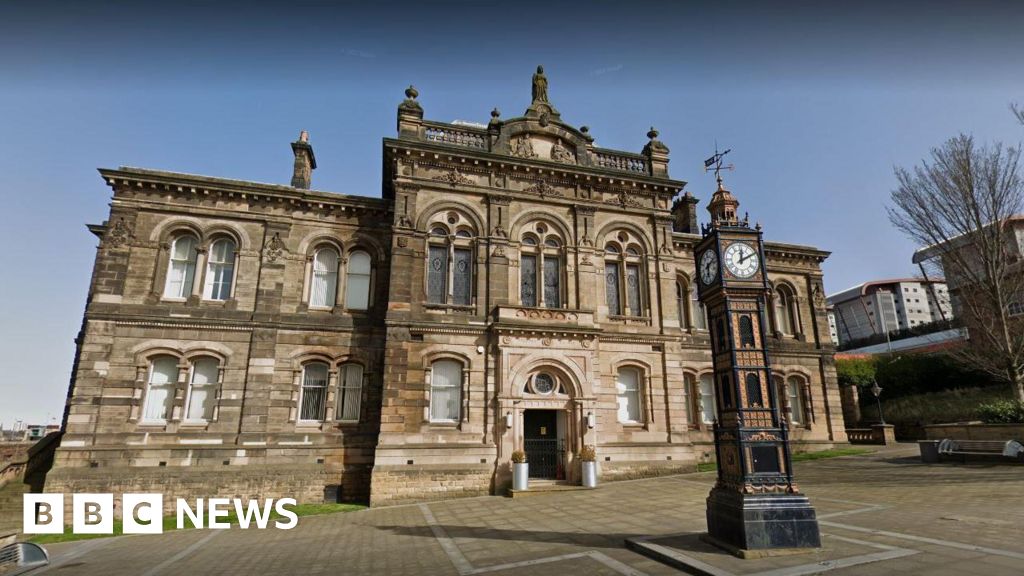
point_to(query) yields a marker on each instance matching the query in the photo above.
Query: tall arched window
(783, 304)
(202, 389)
(746, 331)
(350, 392)
(754, 395)
(692, 398)
(220, 270)
(682, 304)
(612, 280)
(627, 388)
(357, 282)
(445, 391)
(313, 395)
(450, 265)
(795, 395)
(634, 282)
(181, 270)
(700, 314)
(163, 377)
(324, 282)
(540, 270)
(708, 412)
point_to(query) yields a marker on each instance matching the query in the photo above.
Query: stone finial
(495, 113)
(305, 162)
(585, 129)
(652, 133)
(410, 115)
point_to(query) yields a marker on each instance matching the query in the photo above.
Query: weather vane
(716, 161)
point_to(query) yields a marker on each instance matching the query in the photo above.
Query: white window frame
(213, 266)
(796, 401)
(170, 386)
(624, 394)
(436, 385)
(351, 376)
(328, 277)
(209, 387)
(188, 265)
(351, 280)
(303, 387)
(706, 397)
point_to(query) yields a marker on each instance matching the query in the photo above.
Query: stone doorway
(544, 443)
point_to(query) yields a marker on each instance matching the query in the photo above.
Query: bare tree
(959, 203)
(1018, 112)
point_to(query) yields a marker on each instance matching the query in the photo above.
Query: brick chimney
(305, 162)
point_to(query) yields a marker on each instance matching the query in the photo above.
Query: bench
(964, 448)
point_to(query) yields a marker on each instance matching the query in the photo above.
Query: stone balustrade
(456, 136)
(635, 164)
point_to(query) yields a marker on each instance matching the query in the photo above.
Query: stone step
(536, 488)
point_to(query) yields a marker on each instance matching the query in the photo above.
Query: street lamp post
(877, 391)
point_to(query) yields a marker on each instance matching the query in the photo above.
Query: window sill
(173, 300)
(194, 423)
(451, 307)
(646, 320)
(152, 424)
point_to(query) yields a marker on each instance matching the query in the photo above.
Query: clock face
(741, 259)
(708, 267)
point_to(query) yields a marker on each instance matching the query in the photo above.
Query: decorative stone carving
(499, 232)
(586, 241)
(119, 234)
(540, 86)
(274, 249)
(544, 189)
(625, 200)
(499, 251)
(453, 177)
(404, 221)
(402, 241)
(521, 147)
(562, 154)
(818, 296)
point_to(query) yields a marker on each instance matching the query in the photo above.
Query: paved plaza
(884, 513)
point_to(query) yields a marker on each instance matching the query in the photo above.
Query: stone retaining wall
(396, 485)
(975, 431)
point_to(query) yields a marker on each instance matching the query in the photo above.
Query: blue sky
(818, 103)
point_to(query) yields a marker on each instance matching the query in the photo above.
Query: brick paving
(943, 519)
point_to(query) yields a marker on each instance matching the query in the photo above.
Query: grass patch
(170, 522)
(835, 453)
(802, 457)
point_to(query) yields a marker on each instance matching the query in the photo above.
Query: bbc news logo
(143, 513)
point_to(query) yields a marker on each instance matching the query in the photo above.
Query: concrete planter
(520, 475)
(590, 474)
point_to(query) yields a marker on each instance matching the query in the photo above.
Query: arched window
(783, 304)
(708, 412)
(746, 331)
(445, 391)
(202, 389)
(795, 395)
(692, 398)
(313, 395)
(627, 388)
(682, 304)
(350, 392)
(181, 270)
(163, 376)
(220, 270)
(612, 280)
(450, 264)
(540, 266)
(357, 283)
(754, 395)
(700, 314)
(324, 284)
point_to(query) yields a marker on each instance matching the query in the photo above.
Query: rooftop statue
(540, 86)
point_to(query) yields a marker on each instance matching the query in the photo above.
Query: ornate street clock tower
(755, 508)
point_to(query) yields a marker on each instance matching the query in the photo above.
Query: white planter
(520, 475)
(590, 474)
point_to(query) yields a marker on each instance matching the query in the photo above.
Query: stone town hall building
(514, 287)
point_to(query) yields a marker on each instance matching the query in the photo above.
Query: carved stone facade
(508, 275)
